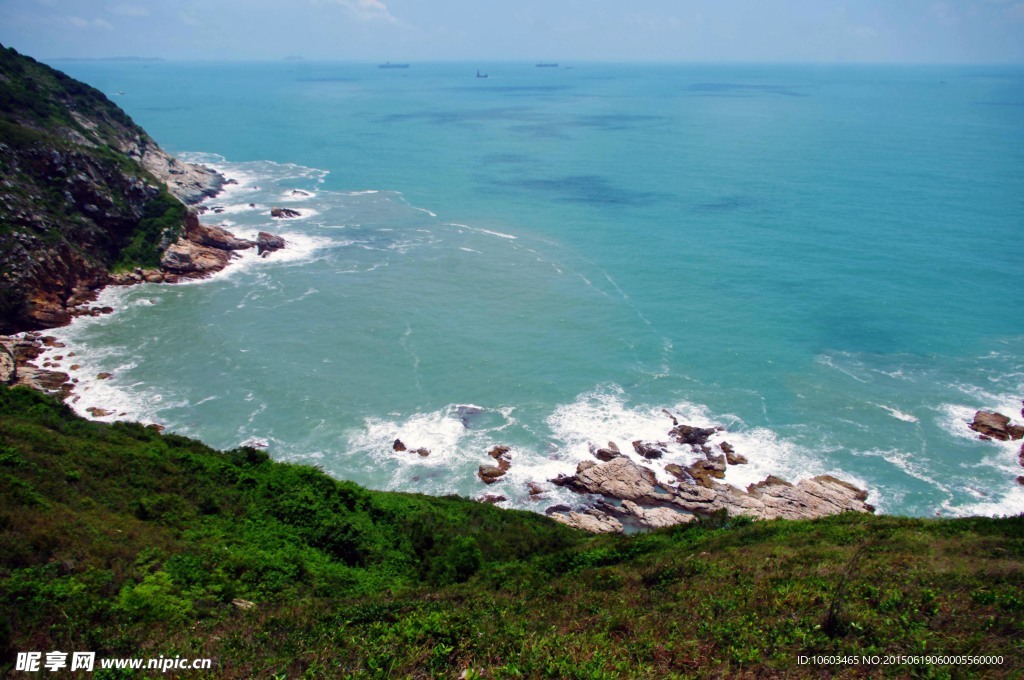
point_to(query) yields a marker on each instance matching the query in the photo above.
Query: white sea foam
(296, 196)
(897, 414)
(830, 362)
(598, 417)
(954, 420)
(233, 209)
(1008, 504)
(912, 464)
(452, 445)
(495, 233)
(304, 214)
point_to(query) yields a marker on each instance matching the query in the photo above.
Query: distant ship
(480, 75)
(388, 64)
(546, 65)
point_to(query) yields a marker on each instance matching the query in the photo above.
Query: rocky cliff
(84, 192)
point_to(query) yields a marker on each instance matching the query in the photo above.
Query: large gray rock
(651, 505)
(656, 518)
(620, 478)
(774, 498)
(593, 521)
(189, 182)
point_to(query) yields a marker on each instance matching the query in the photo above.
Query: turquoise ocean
(823, 259)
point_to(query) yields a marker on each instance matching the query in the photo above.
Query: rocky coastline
(623, 494)
(621, 489)
(994, 426)
(200, 251)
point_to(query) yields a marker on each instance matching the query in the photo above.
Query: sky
(829, 31)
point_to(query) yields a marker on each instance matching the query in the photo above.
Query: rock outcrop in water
(267, 243)
(993, 425)
(489, 474)
(996, 426)
(627, 493)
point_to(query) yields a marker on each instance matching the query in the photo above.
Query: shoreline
(599, 503)
(631, 493)
(199, 253)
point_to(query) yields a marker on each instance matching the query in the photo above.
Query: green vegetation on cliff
(120, 540)
(39, 98)
(75, 199)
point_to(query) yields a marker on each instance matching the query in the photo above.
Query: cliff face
(83, 191)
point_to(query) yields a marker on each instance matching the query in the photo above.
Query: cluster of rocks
(399, 445)
(16, 368)
(489, 474)
(204, 250)
(626, 494)
(284, 213)
(18, 358)
(502, 456)
(992, 425)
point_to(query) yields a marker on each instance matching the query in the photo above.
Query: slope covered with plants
(117, 539)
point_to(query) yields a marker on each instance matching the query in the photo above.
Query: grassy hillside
(120, 540)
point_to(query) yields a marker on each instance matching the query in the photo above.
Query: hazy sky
(615, 30)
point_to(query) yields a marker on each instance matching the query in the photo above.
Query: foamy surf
(602, 416)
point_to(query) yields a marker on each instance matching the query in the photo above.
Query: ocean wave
(603, 415)
(897, 414)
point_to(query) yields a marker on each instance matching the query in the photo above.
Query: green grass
(116, 539)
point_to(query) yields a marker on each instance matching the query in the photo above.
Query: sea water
(822, 259)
